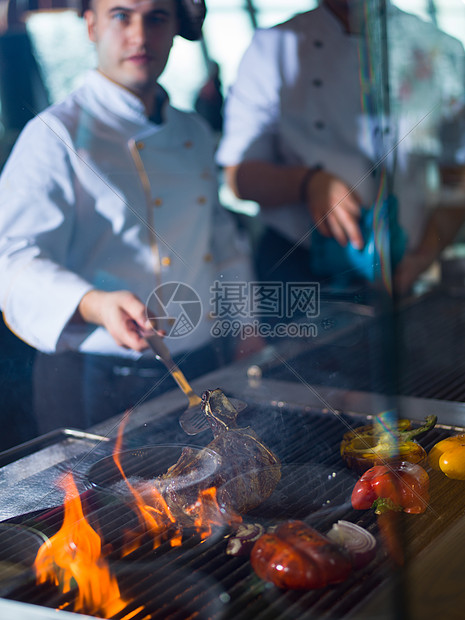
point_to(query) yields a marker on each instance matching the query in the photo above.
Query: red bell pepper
(391, 489)
(400, 487)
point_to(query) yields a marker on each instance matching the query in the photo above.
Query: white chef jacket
(94, 195)
(299, 100)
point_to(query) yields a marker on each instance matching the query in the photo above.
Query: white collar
(115, 98)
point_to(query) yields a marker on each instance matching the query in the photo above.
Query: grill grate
(199, 580)
(428, 357)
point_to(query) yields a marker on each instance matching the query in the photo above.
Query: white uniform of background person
(297, 100)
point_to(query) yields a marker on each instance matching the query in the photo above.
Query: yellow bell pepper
(370, 445)
(448, 456)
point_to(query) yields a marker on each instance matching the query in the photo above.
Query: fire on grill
(159, 578)
(245, 475)
(74, 553)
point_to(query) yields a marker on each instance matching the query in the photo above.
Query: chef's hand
(120, 312)
(334, 208)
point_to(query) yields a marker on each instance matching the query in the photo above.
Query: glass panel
(426, 86)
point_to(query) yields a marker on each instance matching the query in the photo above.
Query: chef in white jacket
(105, 197)
(305, 136)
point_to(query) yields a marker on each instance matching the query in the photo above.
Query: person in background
(108, 202)
(305, 137)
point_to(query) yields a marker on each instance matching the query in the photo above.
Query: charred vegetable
(297, 557)
(382, 443)
(390, 490)
(448, 456)
(399, 486)
(248, 472)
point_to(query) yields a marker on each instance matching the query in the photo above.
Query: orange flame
(73, 554)
(208, 513)
(156, 518)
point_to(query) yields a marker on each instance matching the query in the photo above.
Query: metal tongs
(193, 420)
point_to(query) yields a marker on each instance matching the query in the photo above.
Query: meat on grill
(248, 471)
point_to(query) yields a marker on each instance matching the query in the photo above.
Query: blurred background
(58, 53)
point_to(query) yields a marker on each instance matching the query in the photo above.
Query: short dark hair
(191, 15)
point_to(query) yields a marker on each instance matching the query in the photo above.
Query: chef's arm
(120, 312)
(441, 229)
(268, 184)
(333, 206)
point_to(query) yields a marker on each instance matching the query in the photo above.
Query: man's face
(133, 39)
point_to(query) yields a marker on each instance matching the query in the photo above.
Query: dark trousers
(279, 260)
(75, 390)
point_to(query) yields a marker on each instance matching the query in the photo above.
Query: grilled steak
(248, 471)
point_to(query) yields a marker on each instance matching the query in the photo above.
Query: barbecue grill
(302, 421)
(429, 352)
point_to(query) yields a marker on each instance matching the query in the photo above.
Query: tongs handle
(163, 354)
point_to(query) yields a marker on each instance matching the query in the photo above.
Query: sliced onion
(360, 544)
(243, 540)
